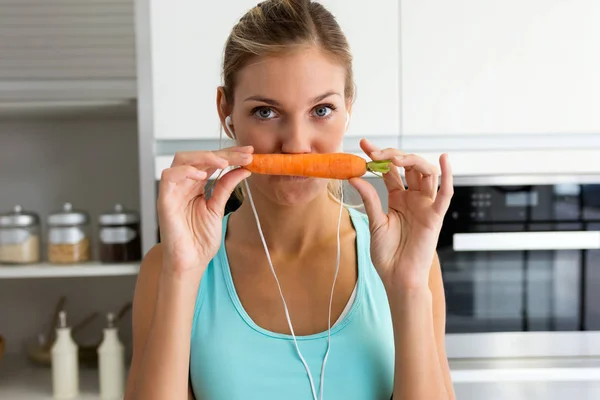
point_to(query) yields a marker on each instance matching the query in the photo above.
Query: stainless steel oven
(521, 270)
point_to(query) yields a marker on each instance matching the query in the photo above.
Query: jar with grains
(119, 236)
(19, 237)
(69, 236)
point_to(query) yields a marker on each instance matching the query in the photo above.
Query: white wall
(92, 163)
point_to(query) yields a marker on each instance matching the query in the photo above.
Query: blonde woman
(293, 295)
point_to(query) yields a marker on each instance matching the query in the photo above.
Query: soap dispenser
(65, 362)
(111, 363)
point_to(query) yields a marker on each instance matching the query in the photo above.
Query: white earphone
(287, 314)
(228, 124)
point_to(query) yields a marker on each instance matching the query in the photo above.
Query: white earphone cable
(287, 315)
(337, 267)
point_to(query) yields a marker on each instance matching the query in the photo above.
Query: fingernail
(399, 157)
(377, 153)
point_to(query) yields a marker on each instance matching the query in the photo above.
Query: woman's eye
(323, 111)
(264, 113)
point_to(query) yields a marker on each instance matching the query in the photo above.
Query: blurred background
(97, 96)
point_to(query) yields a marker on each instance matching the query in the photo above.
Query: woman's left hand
(404, 241)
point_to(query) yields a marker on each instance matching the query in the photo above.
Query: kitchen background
(95, 98)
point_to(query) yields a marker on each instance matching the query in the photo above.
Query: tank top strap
(361, 225)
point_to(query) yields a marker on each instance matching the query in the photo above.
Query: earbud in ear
(228, 126)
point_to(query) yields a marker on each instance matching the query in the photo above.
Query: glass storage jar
(119, 236)
(69, 236)
(19, 237)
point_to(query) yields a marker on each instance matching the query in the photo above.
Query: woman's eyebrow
(263, 100)
(325, 95)
(275, 103)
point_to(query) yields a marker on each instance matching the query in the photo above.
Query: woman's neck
(289, 229)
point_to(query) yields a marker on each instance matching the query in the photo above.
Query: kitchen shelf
(46, 270)
(19, 379)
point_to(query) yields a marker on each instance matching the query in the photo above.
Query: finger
(393, 179)
(427, 184)
(414, 162)
(224, 188)
(219, 159)
(388, 154)
(442, 202)
(420, 174)
(371, 201)
(368, 147)
(376, 154)
(185, 179)
(182, 173)
(413, 178)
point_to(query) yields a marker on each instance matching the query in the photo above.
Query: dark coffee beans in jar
(119, 236)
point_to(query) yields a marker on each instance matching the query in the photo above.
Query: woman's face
(290, 104)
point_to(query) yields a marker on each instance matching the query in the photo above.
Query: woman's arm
(163, 308)
(403, 250)
(436, 286)
(418, 372)
(419, 318)
(167, 285)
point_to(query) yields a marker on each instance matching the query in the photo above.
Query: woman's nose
(296, 136)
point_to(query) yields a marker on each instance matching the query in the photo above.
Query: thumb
(371, 200)
(224, 188)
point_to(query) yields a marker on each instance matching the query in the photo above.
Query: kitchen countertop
(531, 379)
(515, 379)
(528, 390)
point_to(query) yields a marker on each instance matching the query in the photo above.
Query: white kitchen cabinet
(373, 33)
(513, 67)
(68, 133)
(58, 51)
(185, 45)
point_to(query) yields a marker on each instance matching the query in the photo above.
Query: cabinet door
(373, 33)
(187, 42)
(66, 51)
(186, 49)
(483, 67)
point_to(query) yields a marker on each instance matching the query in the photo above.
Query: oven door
(517, 281)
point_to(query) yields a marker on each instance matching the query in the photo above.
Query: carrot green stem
(381, 166)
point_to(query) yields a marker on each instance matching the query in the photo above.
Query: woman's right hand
(191, 225)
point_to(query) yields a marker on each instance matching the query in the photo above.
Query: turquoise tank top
(232, 358)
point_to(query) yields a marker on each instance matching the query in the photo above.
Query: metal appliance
(521, 270)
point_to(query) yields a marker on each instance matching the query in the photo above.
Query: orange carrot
(331, 165)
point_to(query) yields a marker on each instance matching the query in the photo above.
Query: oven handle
(512, 241)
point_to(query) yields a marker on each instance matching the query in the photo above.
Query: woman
(209, 322)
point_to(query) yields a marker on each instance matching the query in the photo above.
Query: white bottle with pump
(111, 363)
(65, 362)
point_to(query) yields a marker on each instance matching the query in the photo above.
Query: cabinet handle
(513, 241)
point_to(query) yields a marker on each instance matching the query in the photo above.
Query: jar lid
(119, 216)
(68, 216)
(18, 217)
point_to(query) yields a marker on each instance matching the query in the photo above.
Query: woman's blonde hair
(275, 27)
